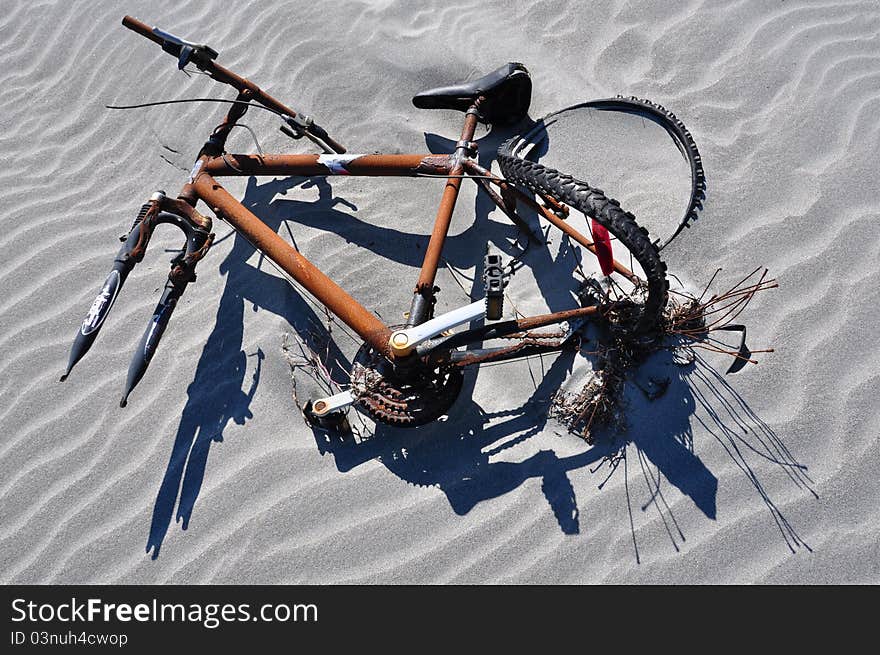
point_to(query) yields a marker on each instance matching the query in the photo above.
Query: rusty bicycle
(411, 374)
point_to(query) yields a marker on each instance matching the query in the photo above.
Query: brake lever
(299, 126)
(186, 51)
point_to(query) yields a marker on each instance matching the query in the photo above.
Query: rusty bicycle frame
(213, 163)
(204, 186)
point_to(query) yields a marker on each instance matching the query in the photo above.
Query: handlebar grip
(141, 28)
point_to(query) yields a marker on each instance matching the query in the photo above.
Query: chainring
(404, 395)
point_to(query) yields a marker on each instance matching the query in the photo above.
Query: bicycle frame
(203, 185)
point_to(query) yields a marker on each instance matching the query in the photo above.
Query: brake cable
(182, 100)
(295, 124)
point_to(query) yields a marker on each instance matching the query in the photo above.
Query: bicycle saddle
(507, 92)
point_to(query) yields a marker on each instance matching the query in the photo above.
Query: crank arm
(403, 342)
(334, 403)
(477, 335)
(328, 413)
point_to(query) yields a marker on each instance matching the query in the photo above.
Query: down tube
(349, 310)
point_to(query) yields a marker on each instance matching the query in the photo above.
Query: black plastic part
(213, 147)
(172, 48)
(293, 135)
(185, 51)
(302, 125)
(494, 307)
(743, 350)
(507, 93)
(318, 131)
(493, 285)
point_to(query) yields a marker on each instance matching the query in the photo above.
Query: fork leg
(123, 264)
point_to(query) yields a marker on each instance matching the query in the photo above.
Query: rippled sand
(765, 476)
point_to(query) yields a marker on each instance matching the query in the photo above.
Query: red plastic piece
(603, 247)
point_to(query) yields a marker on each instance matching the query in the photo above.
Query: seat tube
(423, 297)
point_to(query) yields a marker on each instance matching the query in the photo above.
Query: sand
(765, 476)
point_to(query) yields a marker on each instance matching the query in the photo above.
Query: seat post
(423, 298)
(471, 118)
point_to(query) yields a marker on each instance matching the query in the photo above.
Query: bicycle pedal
(493, 285)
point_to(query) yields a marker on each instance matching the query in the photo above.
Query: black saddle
(507, 92)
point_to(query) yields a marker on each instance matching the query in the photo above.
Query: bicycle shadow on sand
(464, 456)
(220, 391)
(468, 456)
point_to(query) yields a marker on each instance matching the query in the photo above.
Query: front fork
(197, 230)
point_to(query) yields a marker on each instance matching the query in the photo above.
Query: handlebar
(203, 56)
(141, 28)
